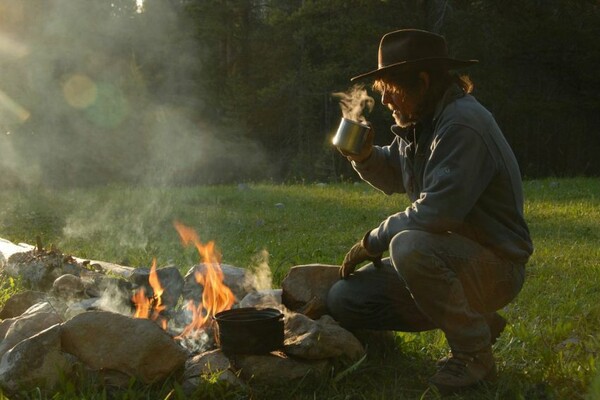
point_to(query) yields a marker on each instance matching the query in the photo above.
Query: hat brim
(449, 63)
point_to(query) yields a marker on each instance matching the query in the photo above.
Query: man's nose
(386, 98)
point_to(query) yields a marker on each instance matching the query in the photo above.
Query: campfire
(152, 324)
(216, 296)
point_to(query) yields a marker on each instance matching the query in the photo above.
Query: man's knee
(337, 300)
(408, 250)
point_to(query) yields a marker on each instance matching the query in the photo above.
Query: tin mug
(350, 136)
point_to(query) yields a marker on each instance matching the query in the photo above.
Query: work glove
(358, 254)
(365, 152)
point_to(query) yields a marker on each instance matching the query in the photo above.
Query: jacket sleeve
(457, 172)
(382, 169)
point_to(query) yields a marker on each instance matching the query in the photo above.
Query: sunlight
(139, 6)
(12, 48)
(9, 104)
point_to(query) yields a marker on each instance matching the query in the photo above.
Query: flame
(216, 296)
(150, 307)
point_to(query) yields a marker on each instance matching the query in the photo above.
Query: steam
(77, 107)
(354, 101)
(261, 271)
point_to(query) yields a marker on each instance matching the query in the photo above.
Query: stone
(170, 280)
(18, 303)
(36, 362)
(305, 288)
(82, 306)
(240, 281)
(25, 326)
(136, 347)
(115, 293)
(68, 286)
(205, 365)
(320, 339)
(276, 367)
(262, 298)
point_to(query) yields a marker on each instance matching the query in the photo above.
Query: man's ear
(424, 79)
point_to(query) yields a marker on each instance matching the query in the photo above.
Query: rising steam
(101, 92)
(354, 102)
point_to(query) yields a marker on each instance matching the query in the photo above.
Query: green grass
(549, 351)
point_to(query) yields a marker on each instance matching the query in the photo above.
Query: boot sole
(446, 390)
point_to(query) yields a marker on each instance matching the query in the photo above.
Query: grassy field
(549, 351)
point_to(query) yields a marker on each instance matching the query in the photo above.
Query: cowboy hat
(412, 47)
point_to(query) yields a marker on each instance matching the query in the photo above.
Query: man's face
(405, 103)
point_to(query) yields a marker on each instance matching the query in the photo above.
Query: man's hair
(408, 80)
(439, 78)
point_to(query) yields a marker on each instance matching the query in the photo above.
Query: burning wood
(216, 296)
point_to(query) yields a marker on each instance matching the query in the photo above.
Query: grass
(549, 351)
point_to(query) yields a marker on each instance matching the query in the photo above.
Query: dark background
(221, 91)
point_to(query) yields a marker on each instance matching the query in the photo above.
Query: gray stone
(170, 280)
(36, 362)
(240, 281)
(206, 366)
(262, 298)
(305, 288)
(320, 339)
(277, 367)
(18, 303)
(68, 286)
(136, 347)
(82, 306)
(25, 326)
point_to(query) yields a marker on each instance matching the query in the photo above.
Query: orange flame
(216, 296)
(150, 307)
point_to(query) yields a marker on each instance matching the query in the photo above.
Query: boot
(463, 370)
(495, 321)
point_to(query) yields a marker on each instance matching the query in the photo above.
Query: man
(457, 254)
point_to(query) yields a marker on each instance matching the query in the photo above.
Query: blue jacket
(460, 175)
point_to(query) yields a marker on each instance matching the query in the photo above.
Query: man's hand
(358, 254)
(365, 152)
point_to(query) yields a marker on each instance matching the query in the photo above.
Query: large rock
(170, 280)
(25, 326)
(38, 269)
(320, 339)
(276, 368)
(20, 302)
(37, 362)
(240, 281)
(206, 365)
(68, 287)
(136, 347)
(305, 288)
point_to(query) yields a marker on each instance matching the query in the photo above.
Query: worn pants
(430, 281)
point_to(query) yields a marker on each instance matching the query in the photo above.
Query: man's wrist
(372, 244)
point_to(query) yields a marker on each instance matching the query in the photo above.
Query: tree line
(251, 82)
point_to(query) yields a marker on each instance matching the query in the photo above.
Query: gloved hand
(358, 254)
(366, 150)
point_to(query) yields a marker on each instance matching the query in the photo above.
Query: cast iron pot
(249, 330)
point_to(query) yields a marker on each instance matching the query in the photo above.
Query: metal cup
(350, 136)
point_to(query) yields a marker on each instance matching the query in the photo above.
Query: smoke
(261, 272)
(97, 92)
(354, 102)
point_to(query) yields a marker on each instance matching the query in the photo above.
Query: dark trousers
(430, 281)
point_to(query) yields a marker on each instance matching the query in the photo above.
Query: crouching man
(457, 254)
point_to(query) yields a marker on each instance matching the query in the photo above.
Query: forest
(181, 92)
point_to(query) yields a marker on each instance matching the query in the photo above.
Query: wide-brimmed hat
(412, 47)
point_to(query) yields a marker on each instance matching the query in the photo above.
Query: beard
(404, 120)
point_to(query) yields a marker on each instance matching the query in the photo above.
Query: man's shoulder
(467, 111)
